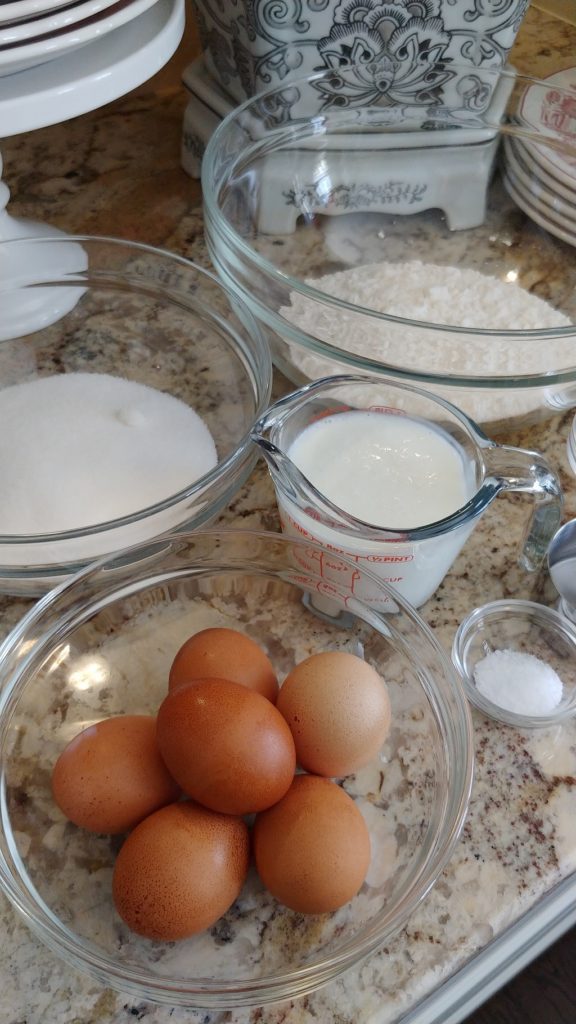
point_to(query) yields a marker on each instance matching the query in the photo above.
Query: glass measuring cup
(413, 560)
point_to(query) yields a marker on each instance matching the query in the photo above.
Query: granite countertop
(117, 171)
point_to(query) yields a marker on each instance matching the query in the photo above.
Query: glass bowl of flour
(130, 381)
(378, 223)
(102, 645)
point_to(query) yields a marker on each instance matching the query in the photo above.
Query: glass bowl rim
(229, 993)
(261, 390)
(513, 608)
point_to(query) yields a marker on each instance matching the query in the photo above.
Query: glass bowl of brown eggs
(114, 646)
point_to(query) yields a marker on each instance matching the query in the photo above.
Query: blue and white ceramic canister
(251, 45)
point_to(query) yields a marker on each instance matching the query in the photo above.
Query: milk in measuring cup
(389, 470)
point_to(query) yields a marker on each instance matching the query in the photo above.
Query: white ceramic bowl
(51, 21)
(24, 53)
(16, 10)
(97, 73)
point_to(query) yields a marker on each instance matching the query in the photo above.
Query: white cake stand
(82, 80)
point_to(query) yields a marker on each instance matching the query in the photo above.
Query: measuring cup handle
(519, 469)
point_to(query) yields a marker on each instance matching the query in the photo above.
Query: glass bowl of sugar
(401, 224)
(130, 381)
(517, 660)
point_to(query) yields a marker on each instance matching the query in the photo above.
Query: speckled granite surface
(116, 171)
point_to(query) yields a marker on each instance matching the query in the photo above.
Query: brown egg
(312, 849)
(227, 746)
(225, 654)
(179, 871)
(338, 709)
(111, 775)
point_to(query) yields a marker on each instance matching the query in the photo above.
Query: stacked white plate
(33, 32)
(542, 179)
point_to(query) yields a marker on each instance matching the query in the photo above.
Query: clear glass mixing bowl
(101, 644)
(443, 178)
(101, 305)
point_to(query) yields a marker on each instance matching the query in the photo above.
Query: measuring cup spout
(289, 482)
(274, 457)
(279, 464)
(281, 468)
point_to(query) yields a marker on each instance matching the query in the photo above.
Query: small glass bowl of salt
(517, 660)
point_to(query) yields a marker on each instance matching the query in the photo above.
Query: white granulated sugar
(442, 295)
(83, 448)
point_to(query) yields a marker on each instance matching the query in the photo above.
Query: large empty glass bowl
(402, 222)
(109, 353)
(102, 644)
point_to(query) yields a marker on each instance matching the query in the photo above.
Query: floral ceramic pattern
(403, 50)
(359, 197)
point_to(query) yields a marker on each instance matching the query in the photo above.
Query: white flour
(440, 295)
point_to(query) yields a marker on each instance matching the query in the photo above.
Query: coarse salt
(519, 682)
